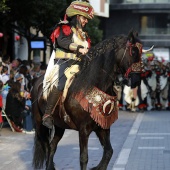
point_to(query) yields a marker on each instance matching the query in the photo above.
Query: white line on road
(7, 162)
(154, 134)
(136, 125)
(126, 149)
(89, 148)
(152, 137)
(123, 157)
(152, 148)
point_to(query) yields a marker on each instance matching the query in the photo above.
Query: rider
(69, 39)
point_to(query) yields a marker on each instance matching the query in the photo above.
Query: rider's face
(83, 20)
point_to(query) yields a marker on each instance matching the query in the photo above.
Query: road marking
(123, 157)
(22, 153)
(7, 162)
(152, 148)
(152, 137)
(28, 162)
(136, 125)
(89, 148)
(154, 134)
(92, 138)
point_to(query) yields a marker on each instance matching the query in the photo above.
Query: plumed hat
(80, 8)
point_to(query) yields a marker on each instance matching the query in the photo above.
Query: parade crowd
(16, 79)
(154, 91)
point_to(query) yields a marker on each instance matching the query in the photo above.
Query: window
(155, 23)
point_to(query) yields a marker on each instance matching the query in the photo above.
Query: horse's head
(130, 63)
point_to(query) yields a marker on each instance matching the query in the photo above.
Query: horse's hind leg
(52, 148)
(104, 137)
(83, 142)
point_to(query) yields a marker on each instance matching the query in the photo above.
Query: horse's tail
(41, 142)
(41, 146)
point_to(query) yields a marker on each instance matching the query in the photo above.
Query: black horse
(99, 69)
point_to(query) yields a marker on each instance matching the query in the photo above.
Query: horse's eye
(135, 54)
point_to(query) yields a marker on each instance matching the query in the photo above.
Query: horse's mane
(97, 71)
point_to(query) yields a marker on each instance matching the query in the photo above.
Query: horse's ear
(131, 36)
(135, 33)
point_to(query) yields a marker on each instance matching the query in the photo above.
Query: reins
(130, 69)
(119, 65)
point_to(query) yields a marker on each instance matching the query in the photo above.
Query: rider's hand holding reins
(83, 50)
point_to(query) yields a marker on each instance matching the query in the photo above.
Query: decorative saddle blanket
(102, 107)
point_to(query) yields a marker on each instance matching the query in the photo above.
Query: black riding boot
(52, 99)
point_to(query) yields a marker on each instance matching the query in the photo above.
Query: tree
(93, 30)
(39, 14)
(3, 6)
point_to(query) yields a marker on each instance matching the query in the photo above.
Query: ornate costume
(68, 39)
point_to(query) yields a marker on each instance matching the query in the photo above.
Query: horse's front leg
(52, 148)
(104, 137)
(83, 142)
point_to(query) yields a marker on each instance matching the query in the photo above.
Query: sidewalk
(147, 146)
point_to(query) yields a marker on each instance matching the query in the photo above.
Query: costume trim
(66, 30)
(102, 107)
(55, 34)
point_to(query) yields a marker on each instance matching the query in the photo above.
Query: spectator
(5, 75)
(43, 68)
(1, 103)
(5, 91)
(6, 62)
(20, 78)
(1, 69)
(36, 71)
(19, 61)
(14, 67)
(23, 71)
(15, 107)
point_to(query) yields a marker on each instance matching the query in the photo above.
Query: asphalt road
(16, 148)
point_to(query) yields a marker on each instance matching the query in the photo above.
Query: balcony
(146, 1)
(159, 37)
(138, 1)
(155, 31)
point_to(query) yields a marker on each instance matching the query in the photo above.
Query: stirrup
(48, 121)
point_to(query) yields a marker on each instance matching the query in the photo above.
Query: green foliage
(39, 14)
(93, 30)
(3, 6)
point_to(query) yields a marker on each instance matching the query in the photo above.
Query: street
(140, 142)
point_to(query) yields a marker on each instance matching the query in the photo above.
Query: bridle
(135, 67)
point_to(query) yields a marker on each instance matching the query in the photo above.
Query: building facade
(150, 18)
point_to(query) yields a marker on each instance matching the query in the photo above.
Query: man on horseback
(69, 39)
